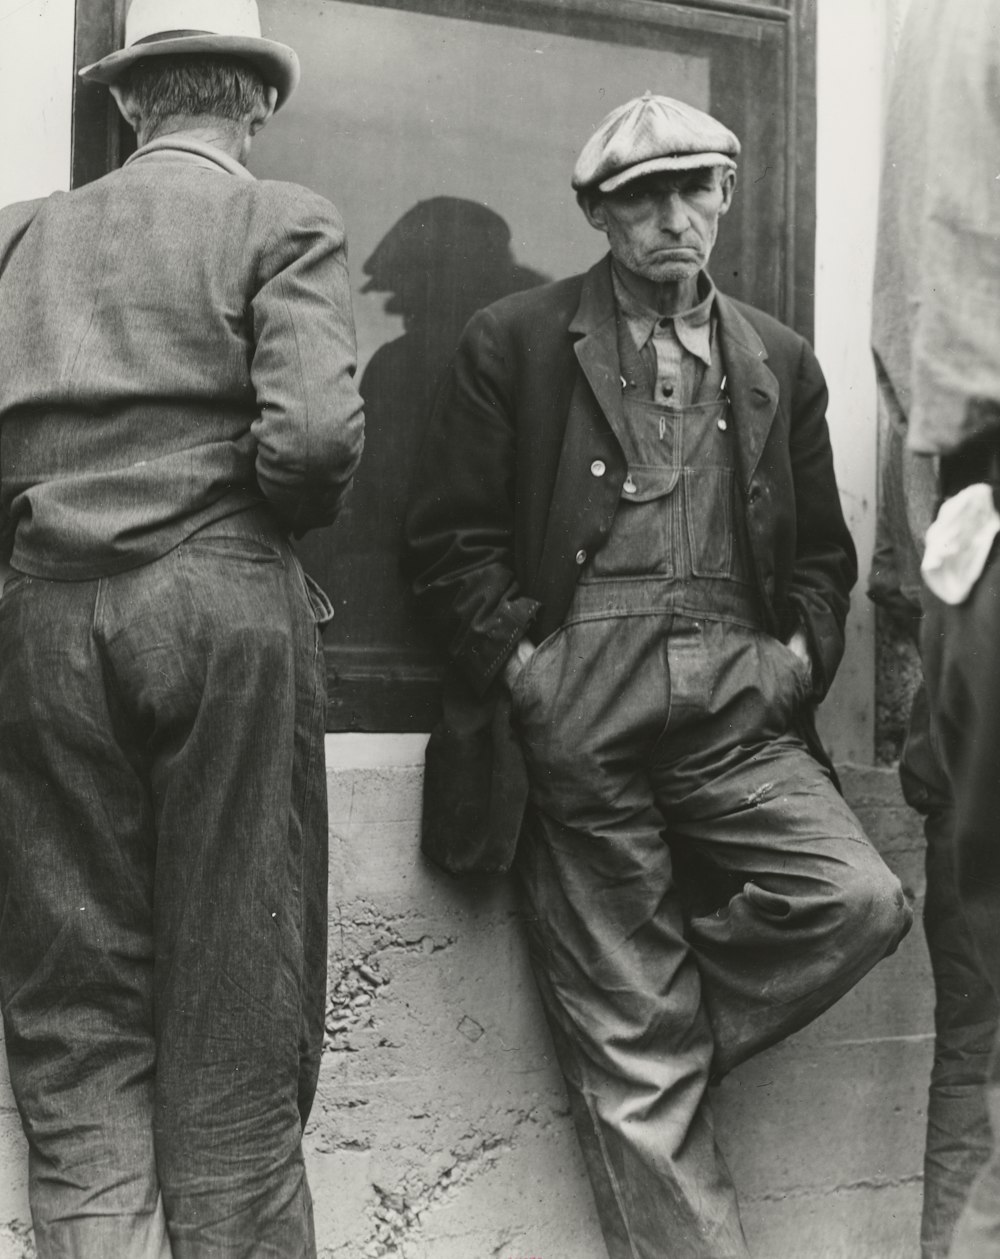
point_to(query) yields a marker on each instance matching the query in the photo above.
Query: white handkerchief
(958, 543)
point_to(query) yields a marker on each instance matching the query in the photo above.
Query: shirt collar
(693, 327)
(196, 152)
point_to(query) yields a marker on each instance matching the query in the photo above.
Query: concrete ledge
(441, 1128)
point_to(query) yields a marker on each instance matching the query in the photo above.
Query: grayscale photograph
(499, 719)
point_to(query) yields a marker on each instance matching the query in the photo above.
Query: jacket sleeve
(825, 566)
(15, 220)
(458, 547)
(310, 427)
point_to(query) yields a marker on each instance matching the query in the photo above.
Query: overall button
(598, 467)
(581, 557)
(630, 486)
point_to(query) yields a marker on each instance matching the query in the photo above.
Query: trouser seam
(612, 1175)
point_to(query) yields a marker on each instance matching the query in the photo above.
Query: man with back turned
(176, 401)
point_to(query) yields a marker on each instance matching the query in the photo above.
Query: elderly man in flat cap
(627, 528)
(176, 401)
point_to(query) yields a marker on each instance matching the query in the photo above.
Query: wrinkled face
(662, 226)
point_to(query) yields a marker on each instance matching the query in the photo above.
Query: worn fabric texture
(658, 727)
(963, 679)
(695, 887)
(936, 308)
(966, 1011)
(506, 499)
(178, 344)
(163, 870)
(177, 398)
(937, 271)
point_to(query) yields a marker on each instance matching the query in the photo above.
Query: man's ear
(592, 205)
(263, 114)
(728, 186)
(126, 104)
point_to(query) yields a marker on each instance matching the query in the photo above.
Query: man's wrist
(516, 661)
(798, 643)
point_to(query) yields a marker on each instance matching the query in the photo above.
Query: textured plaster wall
(441, 1128)
(445, 1132)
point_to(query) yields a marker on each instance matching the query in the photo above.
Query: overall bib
(658, 725)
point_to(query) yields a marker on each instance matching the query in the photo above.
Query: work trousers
(966, 1011)
(163, 873)
(962, 667)
(695, 886)
(657, 740)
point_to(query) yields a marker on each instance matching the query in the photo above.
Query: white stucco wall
(36, 67)
(851, 44)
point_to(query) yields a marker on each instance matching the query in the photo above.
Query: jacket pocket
(475, 791)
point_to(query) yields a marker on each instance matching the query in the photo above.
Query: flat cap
(652, 133)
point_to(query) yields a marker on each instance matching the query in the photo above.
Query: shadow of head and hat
(443, 260)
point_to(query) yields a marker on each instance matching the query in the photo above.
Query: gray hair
(194, 85)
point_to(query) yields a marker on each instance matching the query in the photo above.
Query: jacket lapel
(596, 346)
(583, 503)
(751, 385)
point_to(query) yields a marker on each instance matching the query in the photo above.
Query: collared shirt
(674, 350)
(184, 149)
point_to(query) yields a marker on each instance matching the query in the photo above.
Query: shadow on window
(442, 261)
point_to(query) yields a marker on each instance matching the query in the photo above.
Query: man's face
(663, 226)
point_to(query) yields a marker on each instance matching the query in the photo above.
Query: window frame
(100, 140)
(376, 688)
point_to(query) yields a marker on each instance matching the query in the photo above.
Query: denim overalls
(658, 724)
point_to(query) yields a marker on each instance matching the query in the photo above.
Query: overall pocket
(793, 675)
(710, 513)
(520, 687)
(644, 535)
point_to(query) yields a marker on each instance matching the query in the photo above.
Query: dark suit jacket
(505, 500)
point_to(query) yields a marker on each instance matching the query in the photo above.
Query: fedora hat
(170, 28)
